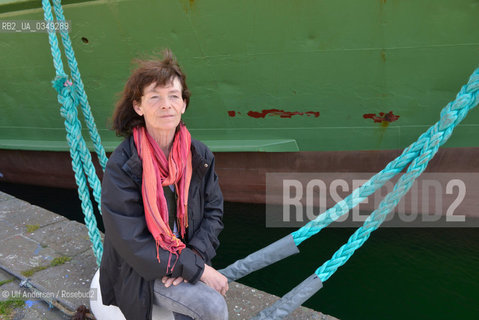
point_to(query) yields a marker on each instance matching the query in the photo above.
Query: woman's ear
(137, 108)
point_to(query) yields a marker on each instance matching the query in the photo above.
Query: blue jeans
(191, 301)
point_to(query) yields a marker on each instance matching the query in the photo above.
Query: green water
(399, 273)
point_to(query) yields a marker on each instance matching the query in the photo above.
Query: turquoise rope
(436, 136)
(81, 158)
(81, 96)
(393, 168)
(80, 89)
(428, 145)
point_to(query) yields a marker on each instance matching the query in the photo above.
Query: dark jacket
(129, 264)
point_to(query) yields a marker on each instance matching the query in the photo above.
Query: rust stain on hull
(384, 118)
(276, 112)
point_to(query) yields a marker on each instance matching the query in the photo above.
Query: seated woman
(162, 205)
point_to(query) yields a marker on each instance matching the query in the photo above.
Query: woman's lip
(167, 116)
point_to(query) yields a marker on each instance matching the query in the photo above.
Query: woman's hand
(168, 281)
(215, 280)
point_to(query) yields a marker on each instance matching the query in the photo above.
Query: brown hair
(161, 72)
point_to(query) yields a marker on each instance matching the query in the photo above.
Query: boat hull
(243, 176)
(307, 76)
(312, 86)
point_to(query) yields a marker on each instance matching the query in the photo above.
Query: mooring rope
(424, 150)
(450, 117)
(69, 97)
(428, 145)
(80, 88)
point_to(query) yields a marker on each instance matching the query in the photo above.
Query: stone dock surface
(55, 253)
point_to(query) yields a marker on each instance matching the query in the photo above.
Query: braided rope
(420, 152)
(81, 158)
(394, 167)
(451, 116)
(80, 89)
(52, 39)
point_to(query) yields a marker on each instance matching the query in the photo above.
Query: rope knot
(59, 82)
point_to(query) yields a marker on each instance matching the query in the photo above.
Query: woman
(161, 203)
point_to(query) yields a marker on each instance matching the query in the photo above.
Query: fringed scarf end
(168, 270)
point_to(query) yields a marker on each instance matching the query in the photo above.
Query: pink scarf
(159, 172)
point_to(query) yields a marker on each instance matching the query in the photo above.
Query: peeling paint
(280, 113)
(273, 112)
(383, 118)
(276, 112)
(313, 113)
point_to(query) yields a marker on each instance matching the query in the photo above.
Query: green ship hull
(266, 76)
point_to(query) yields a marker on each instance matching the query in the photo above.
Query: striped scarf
(158, 172)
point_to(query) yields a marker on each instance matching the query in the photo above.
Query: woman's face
(161, 106)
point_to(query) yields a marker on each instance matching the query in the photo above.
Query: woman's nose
(165, 104)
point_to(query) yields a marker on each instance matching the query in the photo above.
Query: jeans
(191, 301)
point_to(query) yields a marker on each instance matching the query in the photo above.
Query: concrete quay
(55, 254)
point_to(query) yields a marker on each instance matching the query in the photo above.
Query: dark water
(399, 273)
